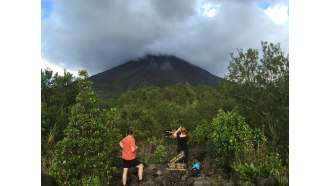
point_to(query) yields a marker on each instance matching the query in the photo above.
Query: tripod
(177, 166)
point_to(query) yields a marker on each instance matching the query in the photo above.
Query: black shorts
(131, 163)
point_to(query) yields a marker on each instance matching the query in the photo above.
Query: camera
(168, 133)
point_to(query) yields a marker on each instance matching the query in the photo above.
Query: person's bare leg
(125, 170)
(140, 172)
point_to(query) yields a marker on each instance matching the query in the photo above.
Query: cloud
(278, 14)
(56, 68)
(97, 36)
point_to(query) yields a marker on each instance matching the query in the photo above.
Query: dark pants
(131, 163)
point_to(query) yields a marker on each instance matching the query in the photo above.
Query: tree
(237, 146)
(84, 153)
(57, 95)
(261, 90)
(231, 139)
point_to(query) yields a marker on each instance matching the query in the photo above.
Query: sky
(99, 35)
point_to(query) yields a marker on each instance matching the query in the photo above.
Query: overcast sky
(99, 35)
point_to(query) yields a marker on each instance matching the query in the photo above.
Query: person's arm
(121, 144)
(134, 147)
(176, 132)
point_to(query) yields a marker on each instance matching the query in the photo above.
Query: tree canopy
(260, 88)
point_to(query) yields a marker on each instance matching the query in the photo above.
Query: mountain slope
(151, 70)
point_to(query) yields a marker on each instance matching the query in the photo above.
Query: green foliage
(57, 96)
(235, 145)
(269, 165)
(201, 133)
(275, 168)
(260, 90)
(155, 109)
(232, 138)
(88, 142)
(282, 180)
(91, 181)
(153, 151)
(159, 155)
(248, 172)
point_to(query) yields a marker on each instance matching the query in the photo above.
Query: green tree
(155, 109)
(232, 140)
(57, 96)
(261, 91)
(84, 153)
(242, 149)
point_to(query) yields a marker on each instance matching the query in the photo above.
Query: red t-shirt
(128, 143)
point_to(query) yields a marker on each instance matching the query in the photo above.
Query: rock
(175, 176)
(149, 183)
(162, 181)
(158, 173)
(185, 177)
(266, 181)
(151, 167)
(201, 183)
(48, 180)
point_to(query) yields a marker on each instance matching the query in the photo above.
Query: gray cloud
(99, 35)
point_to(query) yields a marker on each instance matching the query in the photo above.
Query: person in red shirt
(129, 155)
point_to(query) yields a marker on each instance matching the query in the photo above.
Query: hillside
(151, 70)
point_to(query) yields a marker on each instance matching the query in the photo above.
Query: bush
(159, 155)
(275, 168)
(236, 146)
(153, 151)
(88, 142)
(201, 134)
(231, 138)
(248, 172)
(91, 181)
(270, 166)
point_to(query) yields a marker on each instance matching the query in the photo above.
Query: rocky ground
(159, 175)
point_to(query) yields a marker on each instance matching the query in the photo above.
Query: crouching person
(129, 155)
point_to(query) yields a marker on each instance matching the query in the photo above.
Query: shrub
(269, 166)
(201, 134)
(88, 142)
(275, 168)
(153, 151)
(230, 139)
(159, 155)
(91, 181)
(236, 146)
(248, 172)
